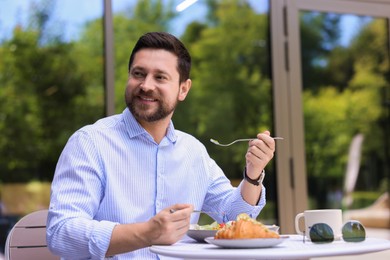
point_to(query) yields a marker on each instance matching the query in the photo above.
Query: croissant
(245, 227)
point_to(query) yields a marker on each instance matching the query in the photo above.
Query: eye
(137, 74)
(160, 77)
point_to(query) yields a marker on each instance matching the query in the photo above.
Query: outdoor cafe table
(291, 248)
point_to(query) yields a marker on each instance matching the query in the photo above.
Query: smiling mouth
(148, 99)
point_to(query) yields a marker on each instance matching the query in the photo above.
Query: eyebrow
(157, 71)
(136, 68)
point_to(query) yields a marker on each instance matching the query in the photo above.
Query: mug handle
(297, 217)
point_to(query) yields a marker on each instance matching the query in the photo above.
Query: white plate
(246, 243)
(200, 235)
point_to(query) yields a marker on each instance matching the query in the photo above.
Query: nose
(147, 84)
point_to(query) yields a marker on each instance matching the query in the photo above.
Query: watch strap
(257, 181)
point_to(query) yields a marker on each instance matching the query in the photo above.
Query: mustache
(149, 93)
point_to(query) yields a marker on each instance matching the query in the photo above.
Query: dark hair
(168, 42)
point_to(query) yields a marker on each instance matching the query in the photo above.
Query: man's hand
(170, 224)
(165, 228)
(260, 152)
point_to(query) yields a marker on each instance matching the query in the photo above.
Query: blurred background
(55, 63)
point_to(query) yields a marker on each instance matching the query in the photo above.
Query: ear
(184, 88)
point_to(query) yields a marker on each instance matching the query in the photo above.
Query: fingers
(264, 144)
(260, 151)
(267, 139)
(180, 215)
(178, 207)
(172, 223)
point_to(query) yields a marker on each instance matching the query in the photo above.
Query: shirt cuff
(100, 239)
(243, 206)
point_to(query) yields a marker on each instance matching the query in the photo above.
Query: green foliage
(320, 34)
(343, 89)
(324, 144)
(329, 135)
(231, 93)
(40, 106)
(363, 199)
(49, 87)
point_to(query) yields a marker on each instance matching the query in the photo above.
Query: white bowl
(200, 235)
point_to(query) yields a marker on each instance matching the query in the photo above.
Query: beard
(145, 112)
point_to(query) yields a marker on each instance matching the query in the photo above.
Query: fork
(239, 140)
(198, 211)
(206, 212)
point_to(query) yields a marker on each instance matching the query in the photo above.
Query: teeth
(147, 99)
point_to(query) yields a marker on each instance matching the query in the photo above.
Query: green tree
(231, 93)
(42, 94)
(345, 99)
(320, 32)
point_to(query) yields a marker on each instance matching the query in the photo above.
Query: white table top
(291, 248)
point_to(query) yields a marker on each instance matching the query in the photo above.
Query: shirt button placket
(159, 180)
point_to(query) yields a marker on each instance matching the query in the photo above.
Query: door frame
(287, 92)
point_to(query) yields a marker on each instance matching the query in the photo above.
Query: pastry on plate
(245, 227)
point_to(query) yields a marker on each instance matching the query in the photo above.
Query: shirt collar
(134, 128)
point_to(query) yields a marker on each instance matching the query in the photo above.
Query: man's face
(153, 89)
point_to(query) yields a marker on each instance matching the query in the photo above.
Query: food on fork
(245, 227)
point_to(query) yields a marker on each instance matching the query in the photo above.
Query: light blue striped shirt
(113, 172)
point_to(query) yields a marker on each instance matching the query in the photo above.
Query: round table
(292, 247)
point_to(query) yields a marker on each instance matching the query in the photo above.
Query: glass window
(345, 68)
(51, 84)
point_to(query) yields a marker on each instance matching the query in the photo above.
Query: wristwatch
(257, 181)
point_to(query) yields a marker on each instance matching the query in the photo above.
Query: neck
(156, 129)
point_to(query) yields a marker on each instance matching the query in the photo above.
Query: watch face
(262, 175)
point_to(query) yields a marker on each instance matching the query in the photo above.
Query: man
(132, 180)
